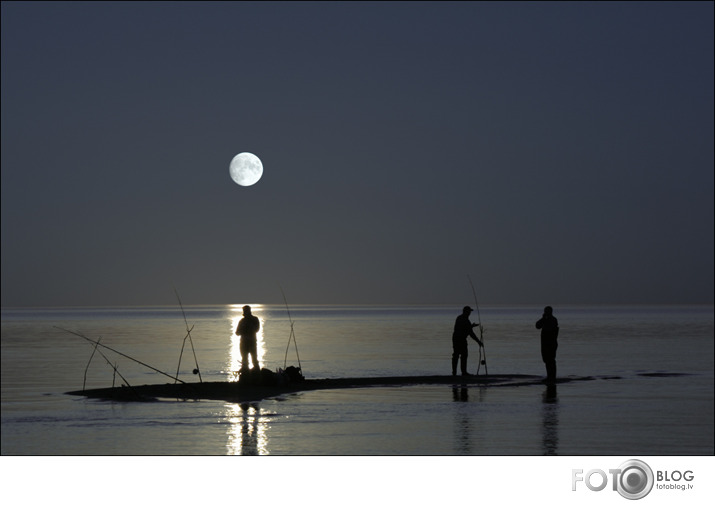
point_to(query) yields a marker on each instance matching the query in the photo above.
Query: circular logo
(635, 480)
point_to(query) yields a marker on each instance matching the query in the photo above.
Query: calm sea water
(626, 409)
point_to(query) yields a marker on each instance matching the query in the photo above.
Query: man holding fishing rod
(463, 328)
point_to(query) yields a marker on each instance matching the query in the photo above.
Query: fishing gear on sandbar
(115, 368)
(97, 343)
(292, 335)
(482, 350)
(188, 335)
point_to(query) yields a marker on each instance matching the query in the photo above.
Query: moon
(246, 169)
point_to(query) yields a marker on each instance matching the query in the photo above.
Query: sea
(638, 381)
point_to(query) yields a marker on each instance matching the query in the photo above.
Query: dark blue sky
(558, 153)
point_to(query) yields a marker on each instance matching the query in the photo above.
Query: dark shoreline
(250, 392)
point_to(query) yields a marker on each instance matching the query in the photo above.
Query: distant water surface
(652, 392)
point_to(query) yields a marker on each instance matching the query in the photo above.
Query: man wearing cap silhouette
(462, 329)
(247, 328)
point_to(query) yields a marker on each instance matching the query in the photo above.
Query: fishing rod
(113, 366)
(292, 335)
(181, 353)
(84, 382)
(188, 335)
(117, 352)
(482, 351)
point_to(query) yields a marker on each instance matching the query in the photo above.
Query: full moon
(246, 169)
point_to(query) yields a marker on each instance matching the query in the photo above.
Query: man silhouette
(462, 329)
(549, 334)
(247, 328)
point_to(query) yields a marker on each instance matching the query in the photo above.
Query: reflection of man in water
(462, 329)
(247, 328)
(549, 334)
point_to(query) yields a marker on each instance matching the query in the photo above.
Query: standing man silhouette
(247, 328)
(462, 329)
(549, 335)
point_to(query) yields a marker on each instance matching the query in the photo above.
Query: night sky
(556, 153)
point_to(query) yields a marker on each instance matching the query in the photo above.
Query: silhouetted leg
(464, 362)
(244, 359)
(254, 354)
(548, 355)
(456, 351)
(551, 370)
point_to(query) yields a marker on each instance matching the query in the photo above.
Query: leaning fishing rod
(188, 335)
(113, 366)
(292, 335)
(117, 352)
(482, 351)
